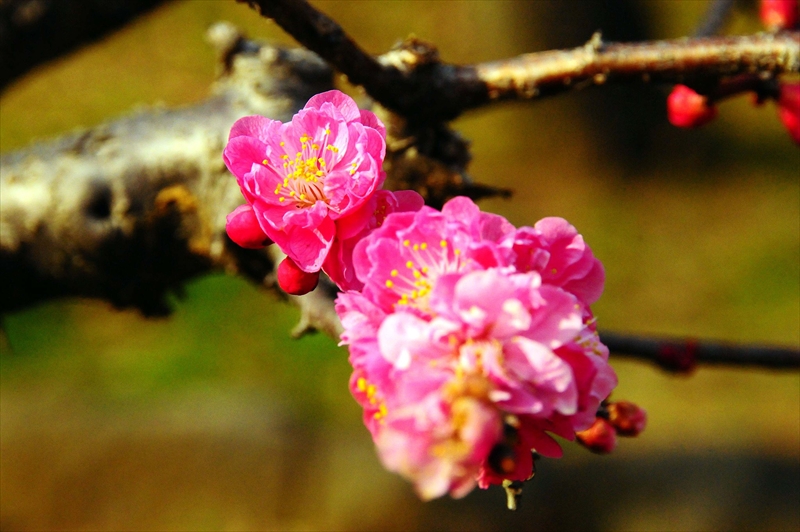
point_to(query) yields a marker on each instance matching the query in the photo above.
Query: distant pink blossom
(308, 180)
(466, 330)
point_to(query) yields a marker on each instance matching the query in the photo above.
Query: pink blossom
(304, 178)
(686, 108)
(789, 108)
(467, 330)
(401, 261)
(243, 228)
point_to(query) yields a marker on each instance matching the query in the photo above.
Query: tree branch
(129, 210)
(414, 83)
(681, 355)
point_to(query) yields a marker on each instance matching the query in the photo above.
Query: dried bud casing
(600, 438)
(295, 281)
(627, 418)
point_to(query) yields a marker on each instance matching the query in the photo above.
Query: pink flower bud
(600, 438)
(779, 14)
(242, 227)
(789, 109)
(627, 418)
(295, 281)
(686, 108)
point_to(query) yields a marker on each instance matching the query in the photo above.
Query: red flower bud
(295, 281)
(242, 227)
(779, 14)
(629, 419)
(686, 108)
(789, 109)
(599, 438)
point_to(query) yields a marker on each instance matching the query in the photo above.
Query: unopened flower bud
(628, 418)
(789, 108)
(295, 281)
(242, 227)
(686, 108)
(600, 438)
(779, 14)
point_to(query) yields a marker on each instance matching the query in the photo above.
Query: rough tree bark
(127, 211)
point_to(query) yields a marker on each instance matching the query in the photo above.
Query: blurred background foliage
(213, 419)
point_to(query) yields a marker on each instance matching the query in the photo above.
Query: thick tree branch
(681, 355)
(414, 83)
(127, 211)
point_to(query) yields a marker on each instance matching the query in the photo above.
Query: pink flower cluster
(312, 187)
(471, 340)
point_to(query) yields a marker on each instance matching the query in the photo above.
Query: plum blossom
(312, 181)
(472, 342)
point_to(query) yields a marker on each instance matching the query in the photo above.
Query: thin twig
(413, 82)
(681, 355)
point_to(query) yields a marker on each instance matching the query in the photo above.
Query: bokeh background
(213, 419)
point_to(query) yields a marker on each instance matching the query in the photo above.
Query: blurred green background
(213, 419)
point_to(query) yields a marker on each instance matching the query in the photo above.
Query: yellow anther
(315, 146)
(424, 245)
(320, 173)
(302, 196)
(284, 156)
(352, 172)
(265, 162)
(370, 390)
(292, 194)
(424, 269)
(389, 283)
(327, 131)
(361, 384)
(281, 199)
(381, 413)
(406, 243)
(457, 252)
(394, 273)
(409, 264)
(416, 247)
(283, 143)
(322, 162)
(417, 275)
(304, 137)
(443, 243)
(414, 294)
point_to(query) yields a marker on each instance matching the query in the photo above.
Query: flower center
(304, 175)
(425, 262)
